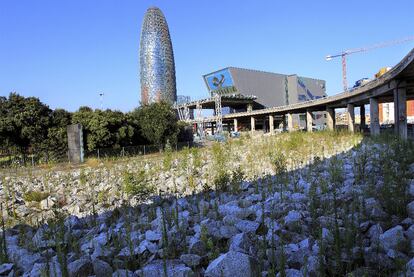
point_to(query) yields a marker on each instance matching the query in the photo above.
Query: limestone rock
(6, 268)
(197, 247)
(240, 243)
(247, 226)
(174, 268)
(291, 273)
(152, 236)
(102, 268)
(410, 209)
(80, 268)
(122, 273)
(392, 238)
(232, 264)
(191, 260)
(292, 217)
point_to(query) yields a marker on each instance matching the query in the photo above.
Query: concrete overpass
(397, 85)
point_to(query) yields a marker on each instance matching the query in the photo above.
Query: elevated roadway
(396, 85)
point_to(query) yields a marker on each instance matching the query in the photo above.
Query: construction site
(257, 101)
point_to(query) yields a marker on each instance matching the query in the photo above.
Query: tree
(104, 129)
(57, 139)
(158, 123)
(24, 121)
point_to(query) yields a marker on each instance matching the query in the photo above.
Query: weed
(168, 157)
(136, 185)
(35, 196)
(221, 181)
(3, 242)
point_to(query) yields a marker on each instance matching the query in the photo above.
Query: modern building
(156, 59)
(269, 89)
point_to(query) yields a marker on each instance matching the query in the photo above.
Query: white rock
(48, 203)
(410, 232)
(81, 267)
(411, 188)
(247, 226)
(152, 236)
(240, 243)
(327, 235)
(232, 264)
(291, 273)
(410, 267)
(123, 273)
(298, 197)
(233, 209)
(293, 217)
(174, 268)
(374, 233)
(6, 268)
(392, 238)
(190, 259)
(410, 209)
(101, 268)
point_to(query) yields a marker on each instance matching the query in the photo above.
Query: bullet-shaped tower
(156, 59)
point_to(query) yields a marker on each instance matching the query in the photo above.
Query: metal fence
(131, 151)
(23, 157)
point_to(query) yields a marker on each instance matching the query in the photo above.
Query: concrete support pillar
(236, 128)
(400, 112)
(330, 119)
(374, 116)
(252, 124)
(289, 122)
(350, 117)
(309, 120)
(362, 116)
(271, 125)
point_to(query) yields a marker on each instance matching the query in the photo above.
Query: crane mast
(347, 52)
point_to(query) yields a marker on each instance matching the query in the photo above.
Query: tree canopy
(158, 123)
(25, 122)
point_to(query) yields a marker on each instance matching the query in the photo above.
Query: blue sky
(67, 52)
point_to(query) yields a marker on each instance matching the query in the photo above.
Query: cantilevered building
(156, 59)
(271, 89)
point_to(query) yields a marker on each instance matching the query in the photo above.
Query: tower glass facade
(156, 59)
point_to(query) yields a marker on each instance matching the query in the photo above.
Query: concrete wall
(75, 143)
(309, 89)
(268, 87)
(273, 89)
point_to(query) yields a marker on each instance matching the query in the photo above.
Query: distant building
(156, 59)
(182, 99)
(386, 112)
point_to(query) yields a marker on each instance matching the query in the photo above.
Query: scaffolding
(199, 120)
(218, 114)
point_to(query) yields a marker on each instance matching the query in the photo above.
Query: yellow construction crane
(345, 53)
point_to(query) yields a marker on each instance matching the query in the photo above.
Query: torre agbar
(156, 59)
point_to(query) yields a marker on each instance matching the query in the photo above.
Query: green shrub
(168, 157)
(35, 196)
(237, 177)
(137, 185)
(221, 181)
